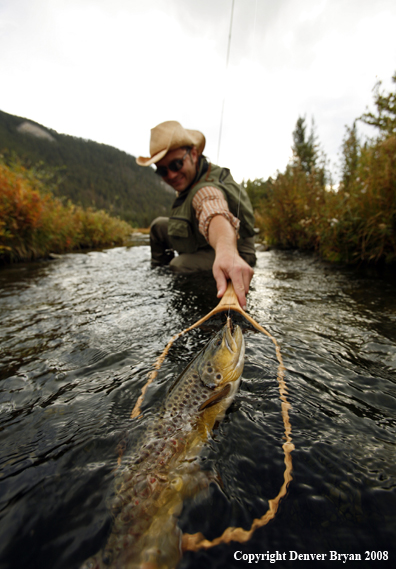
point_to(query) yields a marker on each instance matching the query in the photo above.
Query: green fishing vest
(183, 231)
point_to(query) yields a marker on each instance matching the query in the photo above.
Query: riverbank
(352, 224)
(35, 224)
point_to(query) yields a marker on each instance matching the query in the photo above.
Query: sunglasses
(174, 166)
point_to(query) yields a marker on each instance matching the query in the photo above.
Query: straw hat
(168, 136)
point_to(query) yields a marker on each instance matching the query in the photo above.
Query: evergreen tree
(307, 154)
(385, 117)
(350, 156)
(305, 149)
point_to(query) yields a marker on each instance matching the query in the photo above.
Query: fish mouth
(233, 337)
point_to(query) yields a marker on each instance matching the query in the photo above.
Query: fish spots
(139, 459)
(127, 518)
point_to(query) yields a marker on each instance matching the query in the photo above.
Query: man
(211, 225)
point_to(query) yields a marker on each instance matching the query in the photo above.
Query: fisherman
(211, 224)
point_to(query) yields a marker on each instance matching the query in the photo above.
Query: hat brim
(142, 161)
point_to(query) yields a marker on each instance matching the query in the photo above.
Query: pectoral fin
(216, 397)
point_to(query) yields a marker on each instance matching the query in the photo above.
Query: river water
(79, 335)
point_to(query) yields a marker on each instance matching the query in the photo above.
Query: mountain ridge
(92, 174)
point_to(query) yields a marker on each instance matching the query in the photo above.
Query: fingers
(241, 277)
(240, 290)
(221, 281)
(240, 274)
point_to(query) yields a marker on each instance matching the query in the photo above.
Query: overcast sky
(110, 70)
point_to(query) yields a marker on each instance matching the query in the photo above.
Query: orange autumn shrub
(34, 223)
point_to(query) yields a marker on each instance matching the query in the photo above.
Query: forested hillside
(91, 174)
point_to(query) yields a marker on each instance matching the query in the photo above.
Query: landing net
(195, 542)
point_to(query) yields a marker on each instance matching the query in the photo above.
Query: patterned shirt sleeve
(207, 203)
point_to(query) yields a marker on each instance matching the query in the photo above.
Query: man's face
(182, 179)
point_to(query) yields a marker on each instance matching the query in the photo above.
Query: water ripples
(78, 338)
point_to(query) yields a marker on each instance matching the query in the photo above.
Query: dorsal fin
(216, 397)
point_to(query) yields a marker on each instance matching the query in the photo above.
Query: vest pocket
(179, 227)
(181, 235)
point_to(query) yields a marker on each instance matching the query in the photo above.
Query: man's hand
(228, 265)
(238, 271)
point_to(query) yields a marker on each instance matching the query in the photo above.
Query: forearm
(222, 236)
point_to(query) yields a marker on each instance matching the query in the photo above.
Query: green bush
(354, 223)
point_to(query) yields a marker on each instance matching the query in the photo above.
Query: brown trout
(152, 484)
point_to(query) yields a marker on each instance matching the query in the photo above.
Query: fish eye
(219, 376)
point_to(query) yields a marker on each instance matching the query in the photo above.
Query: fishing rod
(227, 60)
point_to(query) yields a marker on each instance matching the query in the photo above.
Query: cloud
(109, 70)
